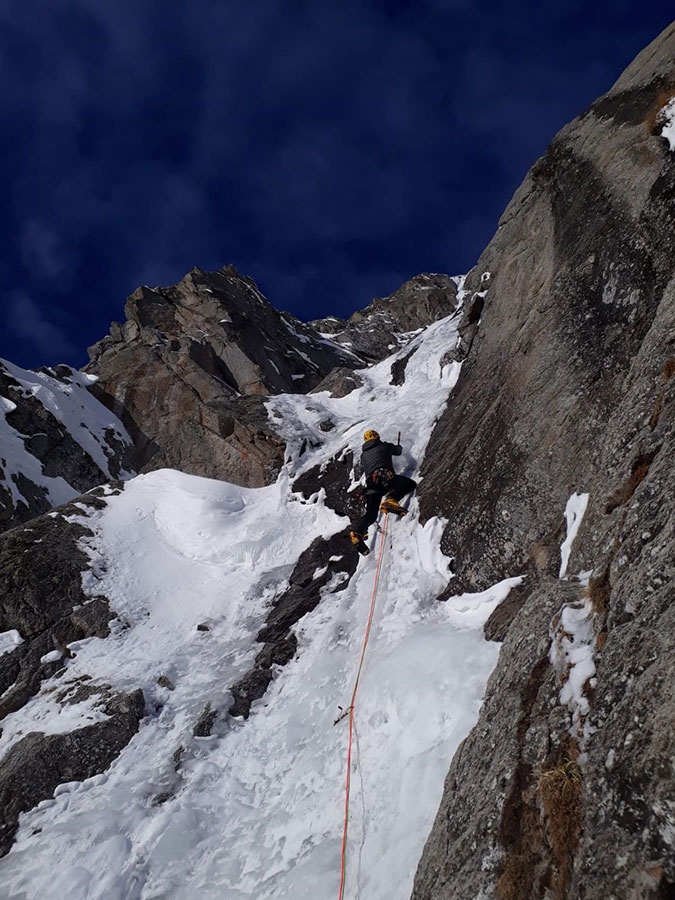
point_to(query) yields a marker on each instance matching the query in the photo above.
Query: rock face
(41, 597)
(38, 763)
(190, 368)
(387, 323)
(568, 388)
(57, 441)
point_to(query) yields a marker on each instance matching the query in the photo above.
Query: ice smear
(574, 513)
(473, 610)
(254, 812)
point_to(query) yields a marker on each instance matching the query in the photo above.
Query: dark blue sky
(329, 148)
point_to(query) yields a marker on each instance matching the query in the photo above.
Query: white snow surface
(572, 655)
(80, 413)
(574, 514)
(668, 130)
(573, 632)
(9, 640)
(255, 811)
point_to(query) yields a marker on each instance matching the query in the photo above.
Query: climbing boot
(389, 505)
(359, 542)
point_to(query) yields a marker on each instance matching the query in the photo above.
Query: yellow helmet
(371, 435)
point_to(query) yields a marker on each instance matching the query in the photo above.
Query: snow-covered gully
(255, 810)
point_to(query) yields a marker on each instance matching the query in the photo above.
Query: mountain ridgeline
(551, 460)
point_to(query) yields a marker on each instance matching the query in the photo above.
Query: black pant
(397, 488)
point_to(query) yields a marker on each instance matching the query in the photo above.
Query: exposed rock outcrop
(568, 387)
(189, 369)
(57, 441)
(38, 763)
(41, 598)
(387, 323)
(324, 567)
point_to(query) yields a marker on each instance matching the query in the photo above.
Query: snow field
(256, 810)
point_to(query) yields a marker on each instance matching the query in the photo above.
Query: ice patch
(473, 610)
(574, 513)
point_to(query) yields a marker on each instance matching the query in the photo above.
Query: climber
(381, 480)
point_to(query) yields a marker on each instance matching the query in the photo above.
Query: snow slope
(80, 414)
(256, 810)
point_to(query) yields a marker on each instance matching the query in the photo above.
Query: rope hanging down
(350, 711)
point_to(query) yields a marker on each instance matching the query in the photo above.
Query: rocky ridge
(388, 322)
(57, 441)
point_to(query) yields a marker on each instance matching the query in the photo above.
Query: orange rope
(343, 866)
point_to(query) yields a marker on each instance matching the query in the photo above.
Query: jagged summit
(223, 324)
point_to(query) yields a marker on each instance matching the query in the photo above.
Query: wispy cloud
(27, 322)
(42, 250)
(322, 144)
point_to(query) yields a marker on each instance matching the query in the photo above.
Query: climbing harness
(380, 479)
(350, 710)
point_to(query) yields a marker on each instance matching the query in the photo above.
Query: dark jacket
(377, 454)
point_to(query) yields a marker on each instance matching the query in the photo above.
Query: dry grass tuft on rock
(599, 592)
(516, 879)
(559, 788)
